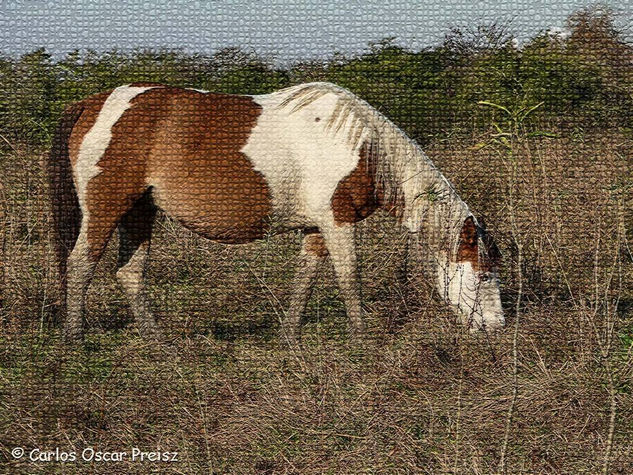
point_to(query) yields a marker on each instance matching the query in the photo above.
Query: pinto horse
(235, 168)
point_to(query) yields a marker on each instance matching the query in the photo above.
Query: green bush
(584, 79)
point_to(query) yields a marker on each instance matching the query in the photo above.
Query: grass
(421, 395)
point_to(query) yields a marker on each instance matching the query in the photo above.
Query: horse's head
(469, 279)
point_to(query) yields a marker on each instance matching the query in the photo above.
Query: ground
(421, 394)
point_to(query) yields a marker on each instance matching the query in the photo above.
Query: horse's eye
(485, 277)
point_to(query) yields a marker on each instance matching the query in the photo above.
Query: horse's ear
(492, 253)
(467, 250)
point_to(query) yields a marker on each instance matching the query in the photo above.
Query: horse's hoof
(357, 330)
(291, 341)
(290, 338)
(73, 334)
(150, 331)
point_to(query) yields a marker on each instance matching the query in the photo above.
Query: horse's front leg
(339, 240)
(313, 252)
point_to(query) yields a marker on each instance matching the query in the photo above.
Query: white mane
(407, 175)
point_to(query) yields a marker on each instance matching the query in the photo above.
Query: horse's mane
(406, 174)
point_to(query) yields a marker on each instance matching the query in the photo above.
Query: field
(551, 393)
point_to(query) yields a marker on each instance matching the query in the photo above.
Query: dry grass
(421, 395)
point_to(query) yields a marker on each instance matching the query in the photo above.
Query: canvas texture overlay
(316, 238)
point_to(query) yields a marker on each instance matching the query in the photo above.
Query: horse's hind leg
(313, 252)
(91, 242)
(135, 231)
(80, 268)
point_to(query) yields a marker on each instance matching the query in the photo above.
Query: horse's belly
(227, 211)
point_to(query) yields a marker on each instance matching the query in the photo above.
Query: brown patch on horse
(468, 249)
(314, 244)
(198, 172)
(357, 195)
(185, 146)
(122, 178)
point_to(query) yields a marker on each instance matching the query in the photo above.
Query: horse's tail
(66, 213)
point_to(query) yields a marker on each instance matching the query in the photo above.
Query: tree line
(580, 79)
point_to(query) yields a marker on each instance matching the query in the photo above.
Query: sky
(284, 31)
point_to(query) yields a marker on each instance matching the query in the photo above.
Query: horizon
(282, 35)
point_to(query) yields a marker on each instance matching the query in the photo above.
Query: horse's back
(221, 164)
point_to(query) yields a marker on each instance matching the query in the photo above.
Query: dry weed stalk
(507, 141)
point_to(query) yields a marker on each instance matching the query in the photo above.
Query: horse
(234, 168)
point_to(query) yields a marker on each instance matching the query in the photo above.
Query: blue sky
(280, 29)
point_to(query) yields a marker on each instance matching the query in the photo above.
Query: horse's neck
(441, 225)
(432, 208)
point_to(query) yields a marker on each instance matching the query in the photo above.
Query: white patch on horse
(97, 139)
(403, 169)
(476, 301)
(457, 282)
(492, 311)
(301, 160)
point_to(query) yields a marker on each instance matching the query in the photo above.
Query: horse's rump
(185, 146)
